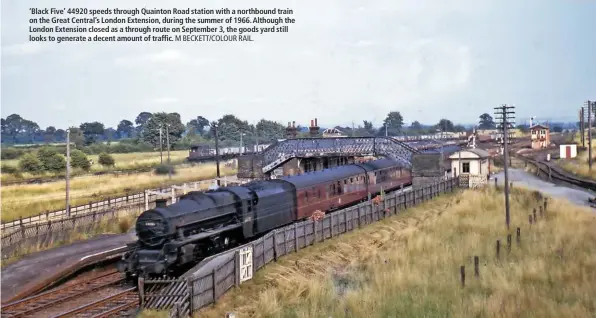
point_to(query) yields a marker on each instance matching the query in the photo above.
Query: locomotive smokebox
(161, 203)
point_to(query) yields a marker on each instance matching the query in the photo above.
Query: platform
(34, 272)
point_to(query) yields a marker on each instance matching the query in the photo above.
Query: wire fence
(39, 236)
(204, 286)
(26, 231)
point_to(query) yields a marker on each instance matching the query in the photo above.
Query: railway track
(114, 295)
(558, 175)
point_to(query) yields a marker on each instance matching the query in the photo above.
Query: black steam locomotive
(201, 224)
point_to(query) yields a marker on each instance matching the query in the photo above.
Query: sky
(342, 61)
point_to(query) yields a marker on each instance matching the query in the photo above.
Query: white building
(471, 165)
(568, 151)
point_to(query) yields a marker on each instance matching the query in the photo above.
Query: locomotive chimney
(161, 203)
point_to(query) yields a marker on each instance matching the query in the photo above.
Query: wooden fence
(41, 235)
(203, 287)
(147, 196)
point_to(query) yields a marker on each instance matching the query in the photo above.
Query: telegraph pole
(508, 118)
(168, 143)
(214, 127)
(589, 105)
(160, 145)
(581, 126)
(68, 172)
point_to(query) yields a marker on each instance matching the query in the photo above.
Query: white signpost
(245, 266)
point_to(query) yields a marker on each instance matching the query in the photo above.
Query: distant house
(540, 136)
(332, 133)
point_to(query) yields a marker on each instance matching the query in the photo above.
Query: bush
(164, 169)
(54, 163)
(11, 153)
(30, 163)
(106, 159)
(9, 169)
(78, 159)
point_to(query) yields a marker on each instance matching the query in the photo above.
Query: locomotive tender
(201, 224)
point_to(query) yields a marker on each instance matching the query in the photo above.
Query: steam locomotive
(201, 224)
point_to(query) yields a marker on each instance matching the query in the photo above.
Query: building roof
(538, 127)
(481, 153)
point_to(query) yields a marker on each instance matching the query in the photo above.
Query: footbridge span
(278, 153)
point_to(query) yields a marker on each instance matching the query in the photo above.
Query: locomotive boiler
(201, 224)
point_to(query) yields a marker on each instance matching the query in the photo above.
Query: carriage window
(346, 181)
(338, 187)
(306, 196)
(351, 180)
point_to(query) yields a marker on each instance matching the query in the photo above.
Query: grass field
(408, 266)
(123, 161)
(24, 200)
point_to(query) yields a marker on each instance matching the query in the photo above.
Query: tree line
(143, 134)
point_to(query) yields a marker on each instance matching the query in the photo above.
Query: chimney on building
(291, 130)
(314, 128)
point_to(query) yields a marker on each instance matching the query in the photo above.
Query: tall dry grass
(25, 200)
(408, 266)
(579, 165)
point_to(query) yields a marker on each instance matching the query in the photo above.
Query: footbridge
(280, 152)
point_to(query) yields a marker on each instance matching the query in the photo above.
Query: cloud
(165, 100)
(27, 48)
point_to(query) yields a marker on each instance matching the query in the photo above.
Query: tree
(269, 131)
(523, 128)
(486, 122)
(106, 159)
(14, 126)
(60, 135)
(50, 134)
(30, 163)
(78, 159)
(76, 137)
(174, 126)
(445, 125)
(393, 122)
(230, 127)
(125, 129)
(91, 131)
(50, 159)
(142, 120)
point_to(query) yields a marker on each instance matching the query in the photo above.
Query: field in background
(408, 266)
(579, 165)
(124, 161)
(31, 199)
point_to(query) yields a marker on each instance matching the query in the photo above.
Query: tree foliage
(105, 159)
(125, 128)
(169, 123)
(78, 159)
(393, 124)
(91, 131)
(486, 122)
(30, 163)
(269, 131)
(445, 125)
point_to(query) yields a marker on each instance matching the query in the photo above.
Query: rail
(61, 295)
(105, 307)
(558, 174)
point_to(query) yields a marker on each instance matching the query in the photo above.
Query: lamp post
(214, 128)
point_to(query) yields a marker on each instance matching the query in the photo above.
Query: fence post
(330, 225)
(214, 285)
(190, 290)
(275, 244)
(476, 265)
(498, 249)
(109, 204)
(146, 200)
(518, 237)
(462, 273)
(295, 237)
(141, 287)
